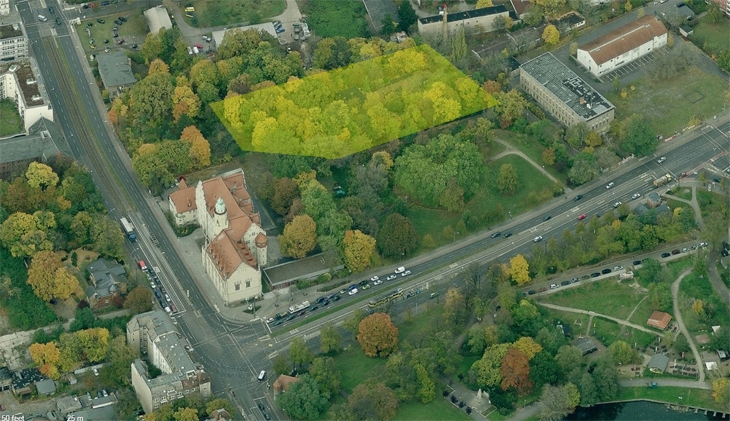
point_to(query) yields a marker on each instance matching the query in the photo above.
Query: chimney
(445, 24)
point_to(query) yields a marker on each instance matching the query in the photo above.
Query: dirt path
(593, 313)
(511, 150)
(682, 327)
(693, 203)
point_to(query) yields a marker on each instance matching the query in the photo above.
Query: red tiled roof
(659, 320)
(624, 39)
(184, 199)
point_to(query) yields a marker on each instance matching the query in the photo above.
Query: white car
(554, 286)
(617, 204)
(353, 291)
(636, 196)
(538, 239)
(406, 273)
(391, 277)
(96, 372)
(167, 297)
(610, 185)
(377, 282)
(617, 268)
(374, 278)
(400, 269)
(662, 159)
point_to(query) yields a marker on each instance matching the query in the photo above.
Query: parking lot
(635, 65)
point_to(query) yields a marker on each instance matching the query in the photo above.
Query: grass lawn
(355, 367)
(430, 221)
(210, 13)
(577, 321)
(676, 267)
(605, 331)
(711, 37)
(692, 397)
(694, 287)
(530, 147)
(708, 201)
(642, 313)
(329, 18)
(605, 297)
(417, 326)
(702, 94)
(683, 193)
(10, 122)
(438, 409)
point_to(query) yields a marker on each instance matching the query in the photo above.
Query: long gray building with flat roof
(564, 94)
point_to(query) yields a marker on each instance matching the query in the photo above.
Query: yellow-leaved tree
(551, 35)
(358, 249)
(519, 269)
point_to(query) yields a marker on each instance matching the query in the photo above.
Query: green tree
(389, 25)
(304, 400)
(458, 44)
(559, 401)
(426, 392)
(139, 300)
(300, 237)
(285, 191)
(622, 352)
(41, 176)
(324, 371)
(120, 357)
(107, 237)
(377, 335)
(640, 137)
(24, 235)
(487, 369)
(584, 169)
(372, 402)
(299, 353)
(330, 340)
(507, 181)
(94, 343)
(219, 403)
(397, 236)
(510, 106)
(281, 364)
(352, 322)
(714, 14)
(407, 15)
(358, 249)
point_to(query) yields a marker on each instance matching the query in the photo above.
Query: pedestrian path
(593, 313)
(511, 150)
(682, 327)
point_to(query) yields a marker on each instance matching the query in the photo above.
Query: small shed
(586, 345)
(157, 18)
(686, 30)
(658, 363)
(659, 320)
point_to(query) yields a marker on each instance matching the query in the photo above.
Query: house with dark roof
(107, 277)
(115, 69)
(562, 93)
(622, 46)
(42, 143)
(658, 363)
(6, 379)
(569, 21)
(586, 345)
(236, 245)
(473, 21)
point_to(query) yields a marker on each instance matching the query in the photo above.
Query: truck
(129, 230)
(298, 307)
(662, 180)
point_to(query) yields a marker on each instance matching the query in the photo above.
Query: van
(196, 50)
(262, 376)
(142, 265)
(42, 18)
(190, 50)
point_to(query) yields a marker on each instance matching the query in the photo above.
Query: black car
(50, 9)
(336, 298)
(564, 283)
(496, 234)
(325, 303)
(577, 198)
(595, 275)
(118, 22)
(102, 21)
(320, 299)
(291, 317)
(261, 406)
(636, 262)
(362, 283)
(606, 271)
(547, 218)
(676, 251)
(267, 417)
(314, 308)
(531, 292)
(122, 18)
(507, 234)
(665, 255)
(278, 322)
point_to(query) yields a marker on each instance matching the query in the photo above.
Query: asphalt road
(234, 353)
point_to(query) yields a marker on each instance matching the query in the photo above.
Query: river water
(638, 411)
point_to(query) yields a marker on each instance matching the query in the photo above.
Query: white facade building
(473, 21)
(13, 42)
(623, 45)
(4, 7)
(19, 85)
(236, 245)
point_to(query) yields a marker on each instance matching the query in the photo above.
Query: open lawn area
(711, 37)
(714, 311)
(605, 297)
(10, 122)
(530, 147)
(709, 202)
(346, 18)
(670, 104)
(642, 313)
(438, 409)
(676, 395)
(355, 367)
(608, 332)
(577, 322)
(210, 13)
(682, 193)
(534, 188)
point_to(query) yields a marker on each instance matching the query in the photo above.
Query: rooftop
(157, 18)
(44, 140)
(624, 39)
(115, 69)
(567, 86)
(586, 345)
(11, 31)
(520, 6)
(659, 320)
(469, 14)
(169, 342)
(184, 198)
(305, 268)
(46, 387)
(27, 83)
(658, 362)
(267, 27)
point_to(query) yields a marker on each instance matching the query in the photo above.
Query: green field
(345, 18)
(433, 221)
(577, 321)
(675, 395)
(642, 313)
(605, 297)
(10, 122)
(701, 94)
(438, 409)
(530, 147)
(355, 367)
(711, 37)
(693, 287)
(211, 13)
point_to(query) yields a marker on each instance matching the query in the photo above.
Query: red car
(582, 217)
(200, 47)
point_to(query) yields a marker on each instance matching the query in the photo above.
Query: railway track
(78, 114)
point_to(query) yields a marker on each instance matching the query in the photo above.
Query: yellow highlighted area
(354, 108)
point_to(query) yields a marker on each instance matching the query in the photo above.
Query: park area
(10, 122)
(713, 38)
(351, 109)
(670, 104)
(212, 13)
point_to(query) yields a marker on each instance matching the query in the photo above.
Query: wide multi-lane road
(234, 353)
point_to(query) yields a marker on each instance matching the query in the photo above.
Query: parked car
(676, 251)
(564, 283)
(554, 286)
(102, 21)
(595, 275)
(574, 280)
(617, 268)
(606, 271)
(636, 262)
(531, 292)
(665, 255)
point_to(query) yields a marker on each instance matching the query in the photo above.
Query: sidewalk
(469, 397)
(682, 327)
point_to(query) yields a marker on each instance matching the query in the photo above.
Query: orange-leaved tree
(377, 335)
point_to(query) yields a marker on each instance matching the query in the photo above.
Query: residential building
(115, 69)
(24, 379)
(564, 95)
(4, 7)
(622, 46)
(19, 85)
(45, 387)
(43, 142)
(569, 21)
(154, 335)
(266, 27)
(724, 5)
(520, 7)
(13, 42)
(68, 404)
(473, 21)
(157, 18)
(659, 320)
(235, 246)
(107, 281)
